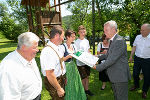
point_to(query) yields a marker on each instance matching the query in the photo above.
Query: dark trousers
(38, 97)
(144, 64)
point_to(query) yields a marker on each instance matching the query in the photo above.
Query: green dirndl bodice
(74, 89)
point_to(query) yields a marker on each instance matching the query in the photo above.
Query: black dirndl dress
(102, 75)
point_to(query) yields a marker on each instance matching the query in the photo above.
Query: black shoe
(144, 95)
(133, 88)
(88, 92)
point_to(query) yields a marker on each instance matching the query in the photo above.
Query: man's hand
(53, 81)
(130, 59)
(94, 67)
(60, 92)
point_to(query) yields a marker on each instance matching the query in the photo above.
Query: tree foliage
(18, 12)
(129, 15)
(10, 29)
(12, 23)
(3, 10)
(134, 14)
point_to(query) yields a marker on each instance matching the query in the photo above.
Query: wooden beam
(41, 23)
(60, 12)
(55, 4)
(62, 3)
(49, 5)
(31, 16)
(32, 3)
(28, 15)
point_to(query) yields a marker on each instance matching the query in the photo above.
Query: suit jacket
(116, 61)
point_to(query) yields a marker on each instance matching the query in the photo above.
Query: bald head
(145, 30)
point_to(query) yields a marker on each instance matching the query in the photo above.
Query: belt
(141, 58)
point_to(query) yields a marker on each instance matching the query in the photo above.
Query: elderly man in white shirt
(141, 48)
(19, 75)
(53, 67)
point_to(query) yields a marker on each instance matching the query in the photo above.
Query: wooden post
(49, 5)
(55, 4)
(37, 16)
(28, 16)
(31, 17)
(41, 24)
(60, 20)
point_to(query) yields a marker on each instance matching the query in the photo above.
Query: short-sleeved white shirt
(82, 45)
(142, 45)
(50, 60)
(19, 80)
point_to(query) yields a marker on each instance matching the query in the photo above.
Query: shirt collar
(21, 59)
(148, 36)
(80, 39)
(53, 45)
(113, 37)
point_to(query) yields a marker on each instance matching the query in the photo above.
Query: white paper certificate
(86, 58)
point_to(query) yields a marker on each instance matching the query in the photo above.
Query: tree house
(42, 16)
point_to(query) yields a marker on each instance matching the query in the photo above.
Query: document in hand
(85, 57)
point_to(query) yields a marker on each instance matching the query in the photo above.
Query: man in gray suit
(116, 62)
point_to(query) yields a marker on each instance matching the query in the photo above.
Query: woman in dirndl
(102, 48)
(74, 89)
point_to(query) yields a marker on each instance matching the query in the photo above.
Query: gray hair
(27, 39)
(112, 24)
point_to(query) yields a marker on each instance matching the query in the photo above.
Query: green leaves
(12, 22)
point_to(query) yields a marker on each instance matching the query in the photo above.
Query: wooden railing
(50, 18)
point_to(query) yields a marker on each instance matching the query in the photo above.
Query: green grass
(7, 46)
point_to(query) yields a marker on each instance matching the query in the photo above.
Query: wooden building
(42, 15)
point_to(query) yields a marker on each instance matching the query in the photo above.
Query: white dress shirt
(19, 80)
(113, 37)
(82, 45)
(50, 60)
(142, 45)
